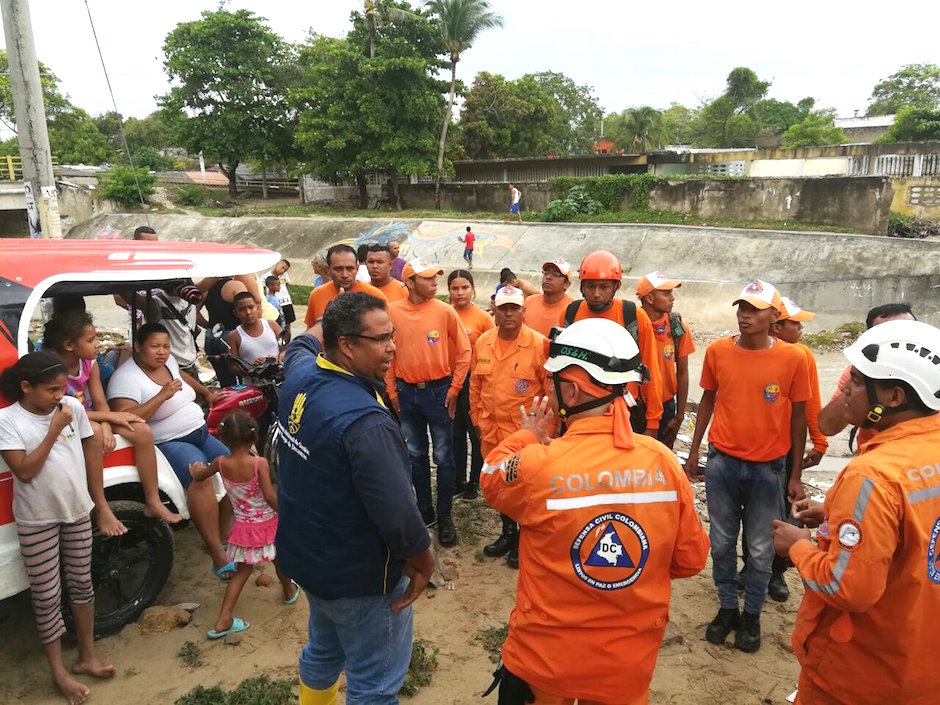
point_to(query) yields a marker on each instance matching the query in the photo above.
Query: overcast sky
(632, 53)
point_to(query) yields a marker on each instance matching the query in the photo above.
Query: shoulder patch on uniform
(850, 535)
(933, 554)
(512, 467)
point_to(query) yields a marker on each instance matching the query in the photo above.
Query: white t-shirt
(59, 493)
(363, 275)
(178, 416)
(516, 195)
(283, 295)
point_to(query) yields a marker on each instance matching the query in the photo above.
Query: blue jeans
(198, 446)
(742, 491)
(422, 409)
(363, 635)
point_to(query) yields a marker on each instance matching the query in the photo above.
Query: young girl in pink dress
(247, 481)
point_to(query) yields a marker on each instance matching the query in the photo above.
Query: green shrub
(423, 664)
(190, 195)
(119, 185)
(577, 203)
(251, 691)
(611, 190)
(152, 159)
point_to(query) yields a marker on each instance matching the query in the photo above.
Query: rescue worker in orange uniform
(509, 372)
(607, 519)
(865, 632)
(600, 273)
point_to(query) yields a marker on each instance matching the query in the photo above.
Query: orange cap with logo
(791, 312)
(653, 281)
(600, 264)
(760, 294)
(420, 268)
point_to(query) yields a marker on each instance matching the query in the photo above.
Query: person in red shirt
(544, 310)
(432, 359)
(755, 390)
(601, 274)
(606, 519)
(674, 343)
(468, 241)
(865, 633)
(342, 268)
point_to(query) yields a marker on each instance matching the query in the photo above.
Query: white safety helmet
(604, 349)
(908, 351)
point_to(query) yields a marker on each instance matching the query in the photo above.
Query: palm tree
(378, 13)
(643, 128)
(461, 22)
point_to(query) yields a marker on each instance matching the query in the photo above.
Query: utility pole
(41, 197)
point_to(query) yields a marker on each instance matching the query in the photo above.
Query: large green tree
(361, 114)
(815, 129)
(637, 129)
(914, 85)
(75, 139)
(914, 124)
(728, 120)
(227, 95)
(580, 113)
(461, 22)
(503, 118)
(677, 124)
(54, 101)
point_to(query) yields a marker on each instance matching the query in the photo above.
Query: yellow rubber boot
(309, 696)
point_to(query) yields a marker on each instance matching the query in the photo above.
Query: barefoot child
(47, 442)
(254, 501)
(72, 335)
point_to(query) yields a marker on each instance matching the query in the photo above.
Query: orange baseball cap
(655, 280)
(509, 295)
(420, 268)
(791, 312)
(760, 294)
(561, 265)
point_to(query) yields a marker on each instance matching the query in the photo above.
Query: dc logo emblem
(669, 352)
(772, 392)
(521, 386)
(755, 287)
(610, 552)
(933, 560)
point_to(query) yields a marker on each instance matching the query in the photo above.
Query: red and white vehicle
(129, 571)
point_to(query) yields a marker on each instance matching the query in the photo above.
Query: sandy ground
(479, 596)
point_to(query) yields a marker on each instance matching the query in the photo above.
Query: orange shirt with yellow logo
(325, 293)
(602, 532)
(752, 417)
(508, 373)
(866, 629)
(668, 355)
(542, 317)
(428, 336)
(652, 389)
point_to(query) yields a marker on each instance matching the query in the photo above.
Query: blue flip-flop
(238, 625)
(292, 600)
(220, 573)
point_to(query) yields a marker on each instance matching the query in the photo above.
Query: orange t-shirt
(814, 405)
(394, 290)
(652, 389)
(325, 293)
(475, 322)
(864, 434)
(542, 317)
(668, 355)
(428, 337)
(752, 417)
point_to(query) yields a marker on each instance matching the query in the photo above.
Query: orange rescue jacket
(866, 629)
(603, 530)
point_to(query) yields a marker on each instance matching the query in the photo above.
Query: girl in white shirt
(47, 442)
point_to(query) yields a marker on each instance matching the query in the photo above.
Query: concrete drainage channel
(839, 276)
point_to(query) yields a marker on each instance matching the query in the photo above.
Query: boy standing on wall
(747, 381)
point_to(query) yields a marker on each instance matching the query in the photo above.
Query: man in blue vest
(349, 529)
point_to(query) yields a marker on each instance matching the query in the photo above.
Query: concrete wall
(917, 196)
(860, 203)
(838, 276)
(476, 197)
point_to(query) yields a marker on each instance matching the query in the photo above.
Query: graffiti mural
(417, 243)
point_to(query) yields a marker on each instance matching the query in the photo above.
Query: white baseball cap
(655, 280)
(760, 294)
(561, 265)
(791, 312)
(420, 268)
(509, 295)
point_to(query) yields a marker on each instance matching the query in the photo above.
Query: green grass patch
(837, 339)
(252, 691)
(492, 640)
(422, 666)
(299, 293)
(189, 655)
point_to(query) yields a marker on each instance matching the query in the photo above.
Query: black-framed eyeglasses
(383, 339)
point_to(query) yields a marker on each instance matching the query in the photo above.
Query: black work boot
(747, 635)
(725, 622)
(777, 588)
(446, 531)
(512, 558)
(500, 547)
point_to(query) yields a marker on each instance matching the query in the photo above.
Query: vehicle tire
(270, 449)
(128, 571)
